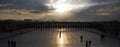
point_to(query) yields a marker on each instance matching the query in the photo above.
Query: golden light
(62, 29)
(62, 7)
(61, 39)
(69, 5)
(62, 10)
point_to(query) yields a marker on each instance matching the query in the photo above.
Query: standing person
(14, 44)
(60, 35)
(119, 43)
(102, 37)
(86, 43)
(89, 43)
(9, 43)
(81, 38)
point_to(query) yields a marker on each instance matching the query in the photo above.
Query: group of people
(88, 43)
(102, 37)
(11, 43)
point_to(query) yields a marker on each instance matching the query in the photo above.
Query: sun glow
(65, 9)
(68, 5)
(60, 5)
(62, 38)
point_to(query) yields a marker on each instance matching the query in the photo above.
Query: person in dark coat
(9, 44)
(81, 38)
(86, 43)
(89, 42)
(60, 35)
(102, 37)
(119, 43)
(14, 44)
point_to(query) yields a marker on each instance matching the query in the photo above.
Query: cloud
(103, 12)
(108, 11)
(5, 1)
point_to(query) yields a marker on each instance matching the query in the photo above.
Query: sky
(63, 10)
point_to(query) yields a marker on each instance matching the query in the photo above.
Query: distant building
(36, 11)
(27, 19)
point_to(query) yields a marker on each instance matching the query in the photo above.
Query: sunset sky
(61, 10)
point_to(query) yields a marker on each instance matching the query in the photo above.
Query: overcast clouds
(105, 10)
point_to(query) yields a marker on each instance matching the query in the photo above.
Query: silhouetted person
(86, 43)
(102, 37)
(89, 42)
(14, 44)
(105, 32)
(9, 44)
(119, 43)
(60, 35)
(81, 38)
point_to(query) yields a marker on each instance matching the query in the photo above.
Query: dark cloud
(27, 4)
(30, 4)
(5, 1)
(105, 1)
(40, 4)
(105, 10)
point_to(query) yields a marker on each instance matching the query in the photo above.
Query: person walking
(9, 44)
(102, 37)
(60, 35)
(81, 38)
(86, 43)
(14, 44)
(89, 43)
(119, 43)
